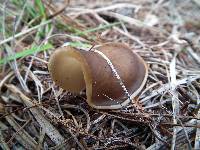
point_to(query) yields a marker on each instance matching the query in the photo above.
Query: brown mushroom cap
(74, 69)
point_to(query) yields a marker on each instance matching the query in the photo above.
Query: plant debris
(37, 114)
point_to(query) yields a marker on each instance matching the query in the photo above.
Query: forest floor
(37, 114)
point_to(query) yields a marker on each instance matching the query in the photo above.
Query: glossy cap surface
(74, 69)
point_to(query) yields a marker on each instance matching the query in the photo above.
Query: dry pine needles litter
(36, 114)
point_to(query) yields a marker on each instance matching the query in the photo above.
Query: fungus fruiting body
(112, 74)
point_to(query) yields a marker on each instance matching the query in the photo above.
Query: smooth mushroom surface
(75, 69)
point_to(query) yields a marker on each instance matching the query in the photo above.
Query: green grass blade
(26, 52)
(41, 8)
(78, 45)
(31, 11)
(48, 46)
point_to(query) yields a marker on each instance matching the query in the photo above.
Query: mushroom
(112, 74)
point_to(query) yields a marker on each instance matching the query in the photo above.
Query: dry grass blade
(25, 32)
(197, 138)
(175, 100)
(166, 87)
(4, 145)
(21, 134)
(50, 130)
(98, 10)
